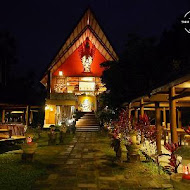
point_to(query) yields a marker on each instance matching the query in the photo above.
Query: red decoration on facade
(86, 54)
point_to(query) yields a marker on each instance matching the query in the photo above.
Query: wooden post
(142, 107)
(174, 137)
(27, 115)
(129, 110)
(136, 114)
(165, 124)
(158, 128)
(164, 117)
(142, 113)
(3, 116)
(179, 118)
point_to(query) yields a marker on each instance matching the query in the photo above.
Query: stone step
(87, 129)
(85, 122)
(88, 123)
(88, 126)
(87, 117)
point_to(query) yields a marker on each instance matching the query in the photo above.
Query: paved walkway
(87, 164)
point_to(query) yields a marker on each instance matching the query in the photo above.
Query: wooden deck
(14, 138)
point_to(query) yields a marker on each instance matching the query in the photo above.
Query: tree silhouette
(7, 56)
(146, 64)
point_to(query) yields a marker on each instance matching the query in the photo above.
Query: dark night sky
(41, 26)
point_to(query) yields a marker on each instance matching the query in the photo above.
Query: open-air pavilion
(170, 104)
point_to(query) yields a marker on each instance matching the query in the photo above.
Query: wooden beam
(184, 85)
(159, 98)
(183, 95)
(162, 104)
(171, 84)
(135, 104)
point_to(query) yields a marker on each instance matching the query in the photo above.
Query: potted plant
(63, 130)
(52, 135)
(29, 148)
(116, 143)
(127, 134)
(173, 161)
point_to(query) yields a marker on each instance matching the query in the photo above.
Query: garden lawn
(14, 174)
(137, 175)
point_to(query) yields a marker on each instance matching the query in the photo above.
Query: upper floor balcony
(63, 96)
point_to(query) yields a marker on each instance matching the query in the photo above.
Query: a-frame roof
(87, 27)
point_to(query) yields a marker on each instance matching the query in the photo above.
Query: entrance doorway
(86, 103)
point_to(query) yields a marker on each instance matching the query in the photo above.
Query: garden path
(88, 164)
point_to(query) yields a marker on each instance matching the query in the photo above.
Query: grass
(14, 174)
(154, 168)
(184, 152)
(140, 168)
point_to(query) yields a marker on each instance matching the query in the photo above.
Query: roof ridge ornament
(88, 20)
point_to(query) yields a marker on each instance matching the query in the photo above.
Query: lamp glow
(60, 73)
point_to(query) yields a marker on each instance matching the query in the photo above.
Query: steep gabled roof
(87, 27)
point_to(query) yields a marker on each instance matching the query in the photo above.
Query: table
(180, 132)
(6, 131)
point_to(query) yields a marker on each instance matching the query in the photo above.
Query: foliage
(106, 115)
(187, 129)
(122, 131)
(133, 72)
(143, 125)
(146, 64)
(123, 123)
(184, 152)
(116, 145)
(7, 55)
(174, 162)
(78, 114)
(154, 168)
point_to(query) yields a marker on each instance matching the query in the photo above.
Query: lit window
(86, 86)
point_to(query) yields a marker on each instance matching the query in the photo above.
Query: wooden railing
(16, 129)
(63, 96)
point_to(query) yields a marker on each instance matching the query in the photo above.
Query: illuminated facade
(73, 79)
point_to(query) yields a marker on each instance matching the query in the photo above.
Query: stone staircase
(87, 123)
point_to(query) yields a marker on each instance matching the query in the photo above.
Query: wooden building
(73, 78)
(168, 102)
